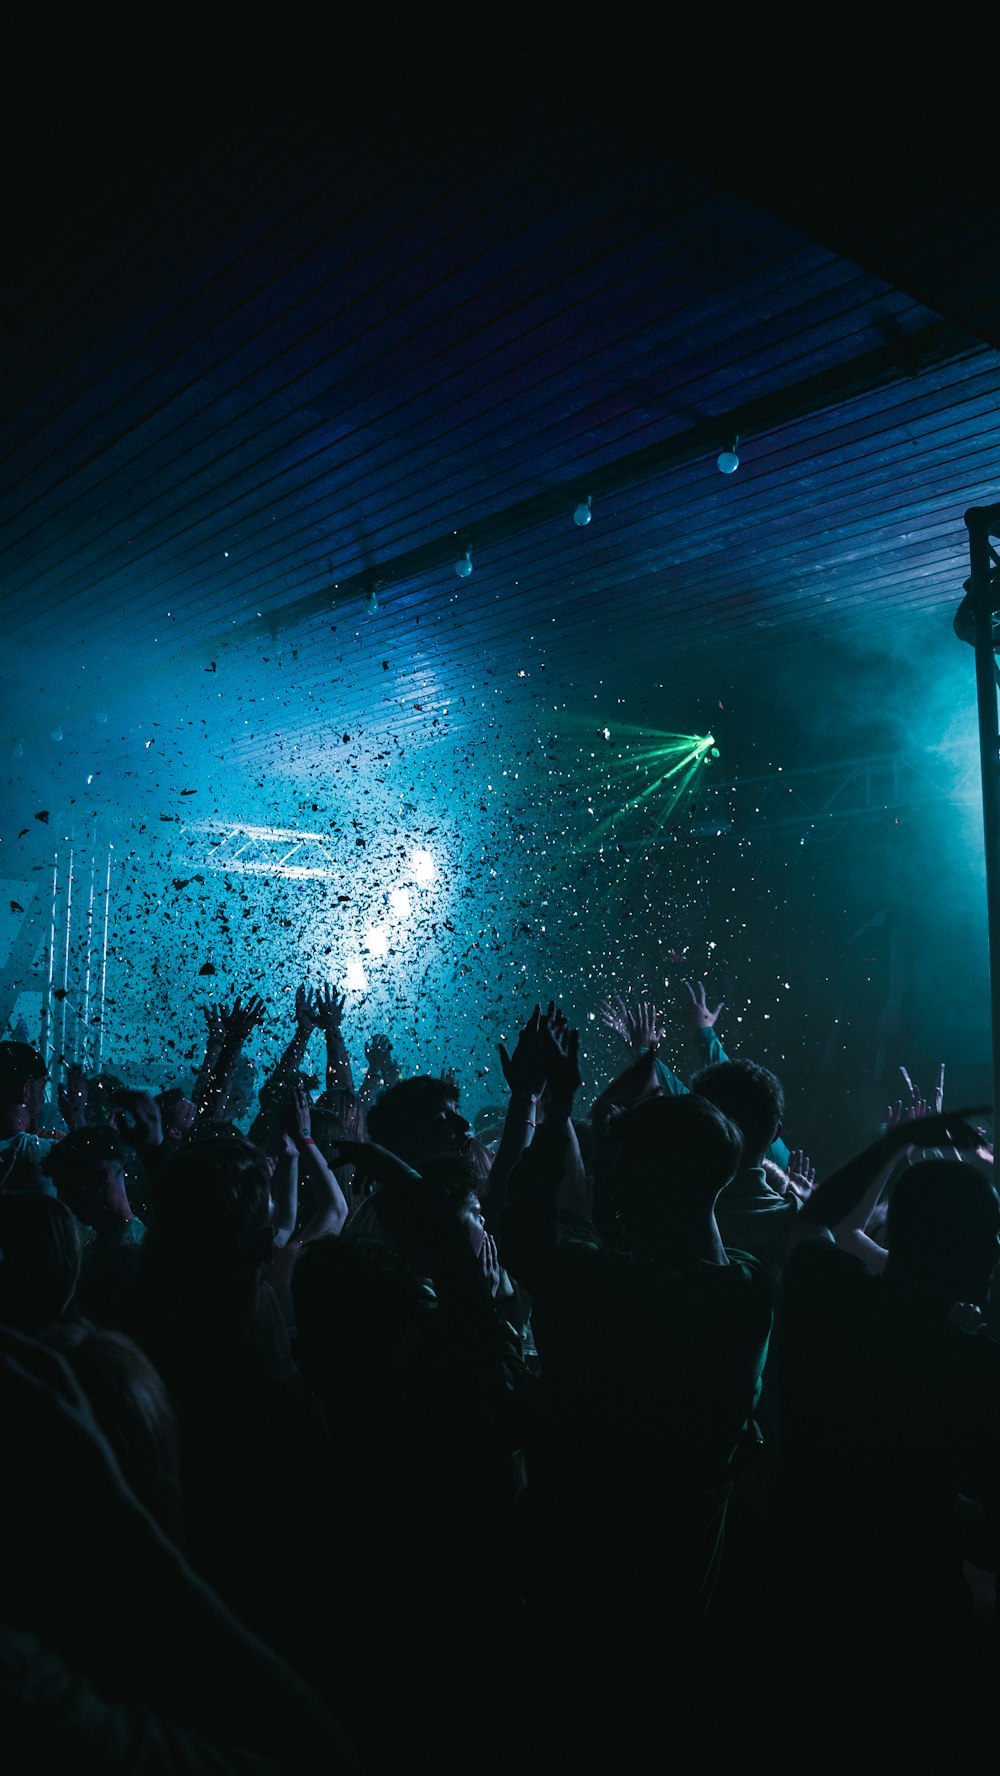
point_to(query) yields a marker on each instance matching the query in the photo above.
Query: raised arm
(330, 1013)
(330, 1209)
(72, 1095)
(525, 1077)
(237, 1025)
(529, 1221)
(284, 1192)
(382, 1071)
(839, 1195)
(306, 1021)
(215, 1031)
(700, 1021)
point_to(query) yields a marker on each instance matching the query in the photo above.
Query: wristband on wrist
(307, 1141)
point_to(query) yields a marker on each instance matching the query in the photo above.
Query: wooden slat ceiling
(264, 363)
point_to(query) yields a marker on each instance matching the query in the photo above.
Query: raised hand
(801, 1173)
(693, 1006)
(640, 1025)
(954, 1130)
(524, 1070)
(73, 1096)
(306, 1013)
(145, 1123)
(490, 1262)
(907, 1110)
(241, 1019)
(329, 1005)
(561, 1054)
(378, 1054)
(299, 1115)
(216, 1027)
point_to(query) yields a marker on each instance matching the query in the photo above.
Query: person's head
(102, 1098)
(418, 1119)
(673, 1157)
(87, 1168)
(23, 1076)
(211, 1208)
(751, 1096)
(943, 1231)
(132, 1408)
(328, 1127)
(177, 1113)
(39, 1259)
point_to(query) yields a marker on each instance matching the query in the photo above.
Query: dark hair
(943, 1220)
(102, 1089)
(689, 1138)
(750, 1095)
(170, 1097)
(391, 1116)
(132, 1408)
(81, 1152)
(39, 1259)
(210, 1202)
(20, 1065)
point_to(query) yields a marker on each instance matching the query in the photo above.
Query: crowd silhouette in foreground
(344, 1435)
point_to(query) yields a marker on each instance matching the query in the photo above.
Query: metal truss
(232, 848)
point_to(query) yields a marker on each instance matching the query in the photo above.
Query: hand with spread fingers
(693, 1006)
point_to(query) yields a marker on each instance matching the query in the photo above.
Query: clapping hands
(546, 1055)
(524, 1070)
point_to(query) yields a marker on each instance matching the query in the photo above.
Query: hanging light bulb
(583, 513)
(727, 462)
(371, 602)
(463, 566)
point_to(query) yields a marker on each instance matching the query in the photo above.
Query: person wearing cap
(23, 1076)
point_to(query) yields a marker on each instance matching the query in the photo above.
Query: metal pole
(978, 522)
(65, 981)
(104, 964)
(85, 1056)
(49, 1033)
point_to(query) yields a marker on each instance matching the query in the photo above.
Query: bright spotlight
(423, 866)
(376, 942)
(401, 903)
(356, 978)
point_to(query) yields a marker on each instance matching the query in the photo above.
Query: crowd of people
(342, 1431)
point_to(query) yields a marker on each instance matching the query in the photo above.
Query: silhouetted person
(890, 1435)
